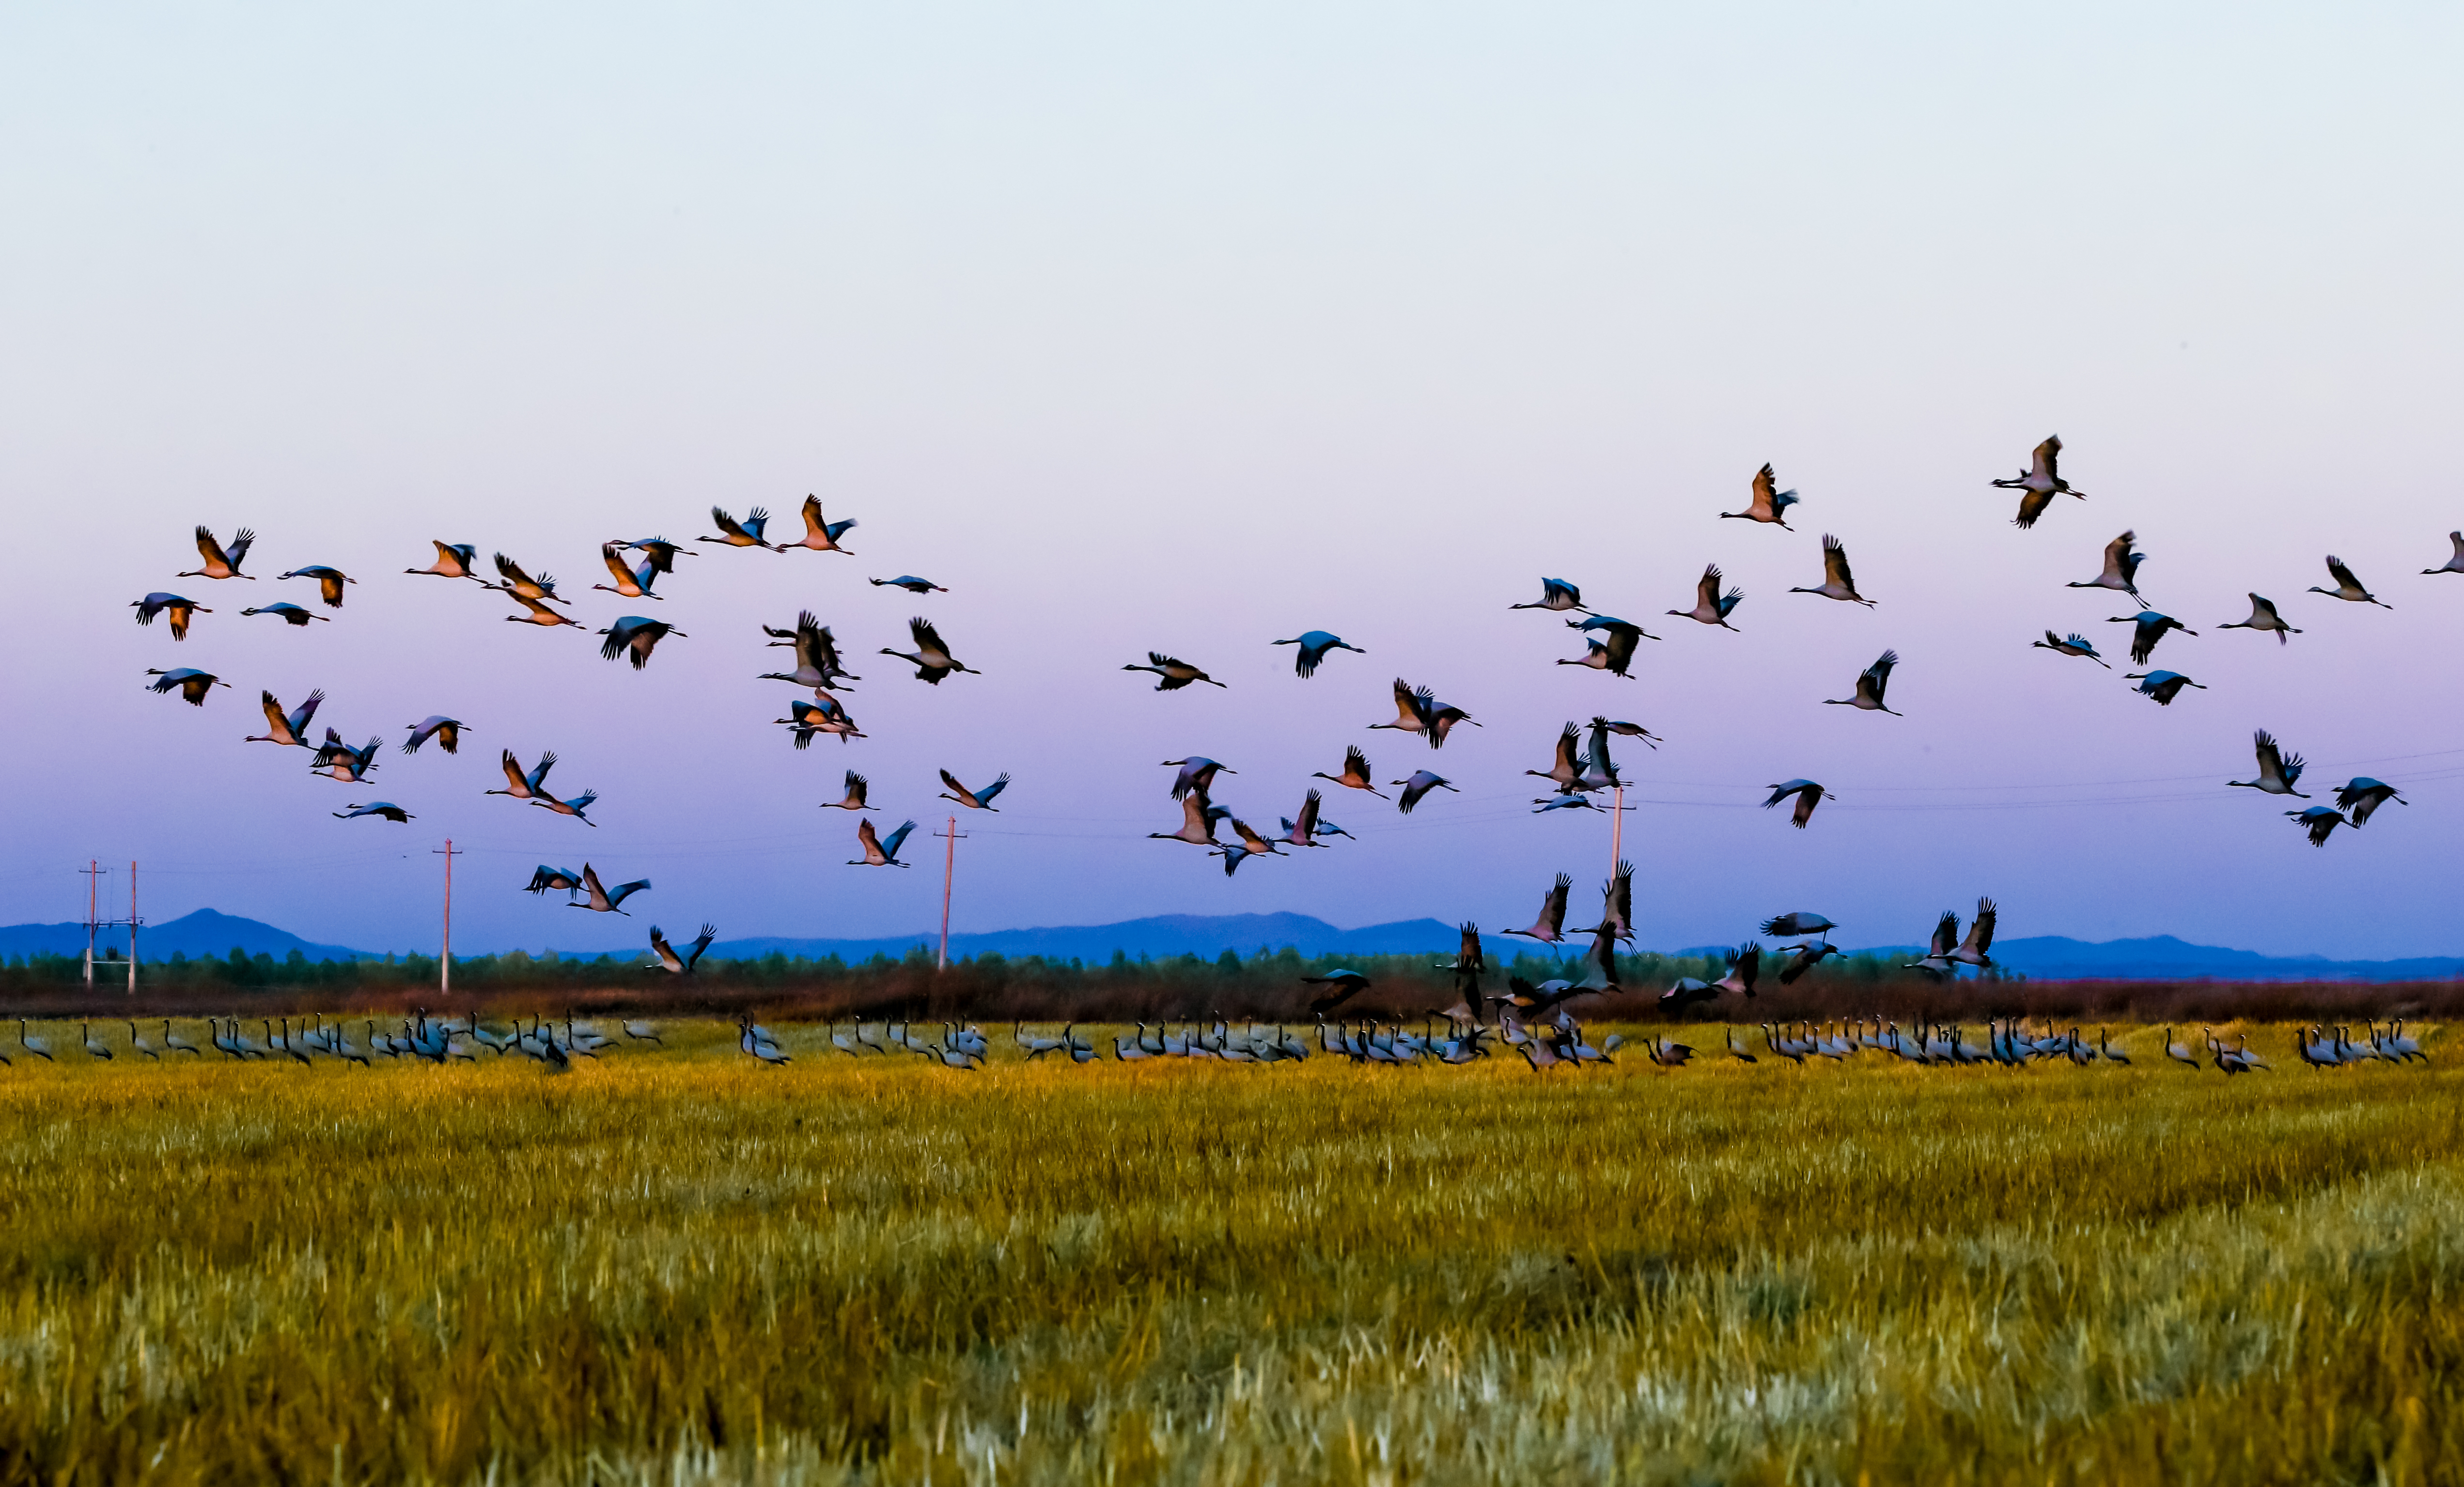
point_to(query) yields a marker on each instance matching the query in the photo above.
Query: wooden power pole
(445, 961)
(949, 871)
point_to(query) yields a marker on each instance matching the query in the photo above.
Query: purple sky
(1193, 331)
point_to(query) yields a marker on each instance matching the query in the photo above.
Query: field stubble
(678, 1266)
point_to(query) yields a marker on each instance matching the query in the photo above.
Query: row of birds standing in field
(2009, 1043)
(418, 1037)
(1557, 1039)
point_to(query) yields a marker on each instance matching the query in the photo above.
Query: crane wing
(2117, 554)
(1194, 814)
(1980, 933)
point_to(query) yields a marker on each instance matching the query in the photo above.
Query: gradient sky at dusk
(1193, 327)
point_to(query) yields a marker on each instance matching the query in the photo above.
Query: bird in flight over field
(1710, 607)
(2161, 685)
(189, 683)
(1556, 593)
(2077, 645)
(632, 583)
(290, 614)
(1768, 505)
(1870, 684)
(635, 634)
(1836, 583)
(520, 785)
(931, 658)
(2348, 586)
(375, 808)
(2362, 795)
(820, 536)
(973, 800)
(1418, 786)
(733, 533)
(2277, 771)
(2121, 568)
(2147, 627)
(2041, 481)
(218, 562)
(2262, 617)
(680, 964)
(181, 611)
(445, 731)
(329, 581)
(290, 728)
(453, 560)
(605, 900)
(1176, 674)
(858, 788)
(1808, 795)
(877, 852)
(1314, 645)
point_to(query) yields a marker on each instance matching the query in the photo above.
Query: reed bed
(677, 1266)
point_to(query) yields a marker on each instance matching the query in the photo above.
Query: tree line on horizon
(1264, 985)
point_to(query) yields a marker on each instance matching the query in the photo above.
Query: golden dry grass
(676, 1266)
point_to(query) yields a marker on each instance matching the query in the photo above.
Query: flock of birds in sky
(1581, 767)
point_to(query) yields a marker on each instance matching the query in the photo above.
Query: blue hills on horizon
(2042, 958)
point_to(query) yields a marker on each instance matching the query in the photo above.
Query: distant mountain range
(2043, 958)
(202, 933)
(1208, 935)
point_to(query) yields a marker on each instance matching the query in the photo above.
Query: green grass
(675, 1266)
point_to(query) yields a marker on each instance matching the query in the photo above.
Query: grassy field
(677, 1266)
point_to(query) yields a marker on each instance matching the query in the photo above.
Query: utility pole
(444, 961)
(1617, 829)
(949, 871)
(93, 871)
(132, 928)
